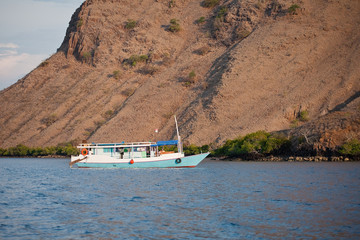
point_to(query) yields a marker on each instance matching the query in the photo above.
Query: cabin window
(108, 150)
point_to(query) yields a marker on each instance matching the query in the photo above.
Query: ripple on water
(216, 200)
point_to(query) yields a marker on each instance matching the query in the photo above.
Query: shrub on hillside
(116, 74)
(190, 79)
(86, 57)
(303, 116)
(221, 13)
(202, 51)
(243, 34)
(200, 20)
(172, 3)
(174, 25)
(351, 148)
(210, 3)
(292, 9)
(192, 75)
(259, 143)
(108, 114)
(79, 23)
(134, 59)
(130, 24)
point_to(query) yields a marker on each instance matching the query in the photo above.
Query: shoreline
(287, 159)
(238, 159)
(48, 156)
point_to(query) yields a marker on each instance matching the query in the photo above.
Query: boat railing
(109, 145)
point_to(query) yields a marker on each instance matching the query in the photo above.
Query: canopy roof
(124, 145)
(163, 143)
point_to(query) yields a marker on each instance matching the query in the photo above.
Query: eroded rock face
(120, 73)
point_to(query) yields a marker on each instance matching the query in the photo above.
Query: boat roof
(130, 144)
(163, 143)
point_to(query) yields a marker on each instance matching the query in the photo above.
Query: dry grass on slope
(250, 65)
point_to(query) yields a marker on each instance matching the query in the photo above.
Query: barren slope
(256, 67)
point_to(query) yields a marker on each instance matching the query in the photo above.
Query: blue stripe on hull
(190, 161)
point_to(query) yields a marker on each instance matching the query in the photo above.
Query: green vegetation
(259, 143)
(172, 4)
(252, 146)
(210, 3)
(86, 57)
(200, 20)
(130, 24)
(351, 148)
(243, 34)
(24, 151)
(134, 59)
(292, 9)
(99, 123)
(294, 123)
(79, 23)
(192, 75)
(174, 25)
(193, 149)
(190, 79)
(304, 116)
(116, 74)
(221, 13)
(108, 114)
(188, 150)
(219, 19)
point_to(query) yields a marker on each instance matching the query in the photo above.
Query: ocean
(44, 198)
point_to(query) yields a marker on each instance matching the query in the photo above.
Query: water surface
(217, 200)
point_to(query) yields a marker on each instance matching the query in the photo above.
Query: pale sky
(30, 32)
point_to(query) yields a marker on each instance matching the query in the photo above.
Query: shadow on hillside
(344, 104)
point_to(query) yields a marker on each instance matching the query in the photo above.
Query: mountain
(224, 68)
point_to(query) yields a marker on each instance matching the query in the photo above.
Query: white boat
(134, 155)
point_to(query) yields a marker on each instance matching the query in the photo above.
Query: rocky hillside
(225, 68)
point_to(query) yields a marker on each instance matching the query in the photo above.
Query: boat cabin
(126, 150)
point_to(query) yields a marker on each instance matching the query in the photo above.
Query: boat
(135, 155)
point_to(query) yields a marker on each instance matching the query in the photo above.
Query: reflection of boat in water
(134, 155)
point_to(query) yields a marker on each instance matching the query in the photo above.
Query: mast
(178, 135)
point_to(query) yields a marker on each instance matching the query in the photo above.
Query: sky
(30, 32)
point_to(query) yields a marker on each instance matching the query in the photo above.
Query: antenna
(178, 135)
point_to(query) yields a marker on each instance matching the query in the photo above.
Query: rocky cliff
(225, 68)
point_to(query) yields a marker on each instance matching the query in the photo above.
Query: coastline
(48, 156)
(237, 159)
(288, 159)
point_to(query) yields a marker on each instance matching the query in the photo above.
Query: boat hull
(182, 162)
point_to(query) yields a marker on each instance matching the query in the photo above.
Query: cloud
(7, 53)
(14, 65)
(31, 30)
(8, 49)
(9, 45)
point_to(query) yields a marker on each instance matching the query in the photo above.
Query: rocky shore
(293, 159)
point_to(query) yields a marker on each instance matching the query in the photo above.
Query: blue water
(44, 198)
